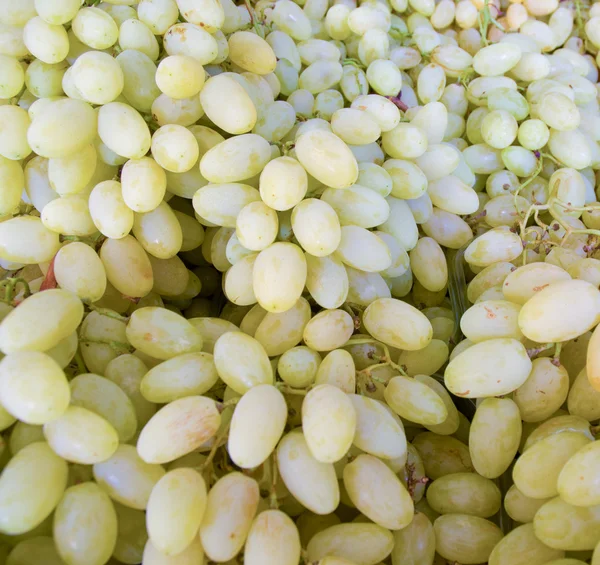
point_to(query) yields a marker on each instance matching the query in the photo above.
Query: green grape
(104, 398)
(39, 549)
(522, 546)
(442, 455)
(521, 508)
(75, 541)
(415, 543)
(31, 486)
(131, 534)
(365, 544)
(415, 401)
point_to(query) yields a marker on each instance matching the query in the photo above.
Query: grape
(230, 509)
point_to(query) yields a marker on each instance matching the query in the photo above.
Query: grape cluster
(299, 282)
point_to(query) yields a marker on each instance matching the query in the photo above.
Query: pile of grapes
(299, 282)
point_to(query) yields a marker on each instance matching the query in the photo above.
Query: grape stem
(108, 313)
(273, 488)
(286, 389)
(221, 406)
(9, 285)
(556, 358)
(117, 346)
(81, 368)
(217, 443)
(537, 350)
(485, 19)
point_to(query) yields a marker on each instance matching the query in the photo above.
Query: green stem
(213, 451)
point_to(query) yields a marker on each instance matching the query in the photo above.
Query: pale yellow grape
(464, 493)
(109, 212)
(298, 366)
(490, 319)
(311, 482)
(180, 76)
(221, 203)
(143, 184)
(416, 542)
(547, 317)
(251, 52)
(327, 158)
(6, 419)
(327, 280)
(358, 205)
(498, 244)
(320, 76)
(81, 436)
(161, 333)
(69, 215)
(227, 105)
(558, 111)
(230, 509)
(175, 510)
(355, 127)
(139, 88)
(379, 109)
(174, 148)
(522, 284)
(106, 399)
(490, 368)
(576, 482)
(33, 387)
(257, 425)
(12, 182)
(211, 329)
(78, 268)
(192, 231)
(241, 361)
(378, 493)
(494, 436)
(279, 276)
(521, 508)
(192, 554)
(23, 435)
(41, 321)
(13, 132)
(533, 134)
(469, 539)
(452, 422)
(185, 375)
(405, 141)
(257, 226)
(95, 28)
(158, 231)
(100, 329)
(408, 181)
(97, 77)
(537, 470)
(283, 183)
(178, 428)
(448, 229)
(123, 130)
(71, 175)
(277, 332)
(62, 128)
(273, 539)
(13, 76)
(362, 544)
(570, 528)
(583, 397)
(328, 423)
(544, 391)
(397, 324)
(158, 15)
(127, 266)
(237, 282)
(310, 524)
(328, 330)
(126, 371)
(184, 112)
(557, 425)
(425, 361)
(126, 478)
(522, 547)
(400, 259)
(31, 486)
(134, 34)
(431, 83)
(415, 401)
(377, 432)
(316, 226)
(363, 250)
(85, 525)
(46, 42)
(428, 264)
(235, 159)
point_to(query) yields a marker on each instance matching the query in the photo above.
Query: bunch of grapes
(299, 282)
